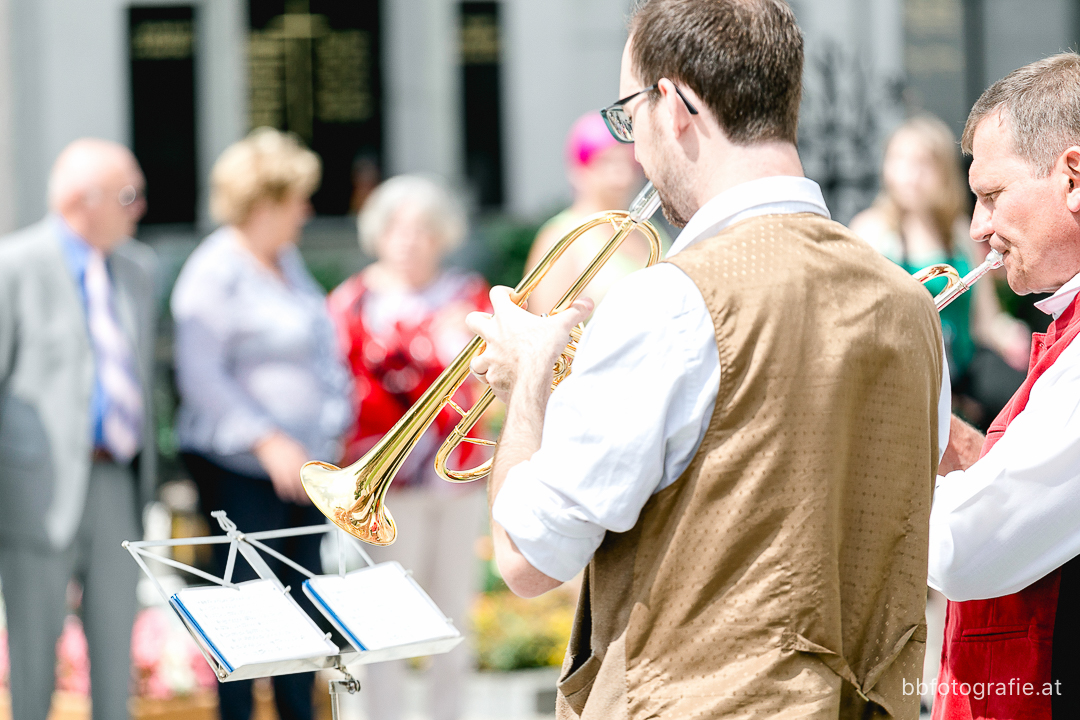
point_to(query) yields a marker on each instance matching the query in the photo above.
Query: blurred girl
(920, 219)
(604, 176)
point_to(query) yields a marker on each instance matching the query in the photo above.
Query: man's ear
(676, 108)
(1069, 164)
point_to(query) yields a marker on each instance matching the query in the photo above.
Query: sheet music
(253, 623)
(380, 607)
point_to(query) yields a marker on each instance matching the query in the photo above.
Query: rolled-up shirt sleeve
(625, 424)
(1014, 516)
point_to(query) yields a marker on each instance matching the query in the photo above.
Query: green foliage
(513, 633)
(330, 272)
(490, 579)
(506, 244)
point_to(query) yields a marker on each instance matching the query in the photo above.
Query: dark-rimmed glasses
(618, 122)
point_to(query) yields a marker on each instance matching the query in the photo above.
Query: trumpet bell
(333, 491)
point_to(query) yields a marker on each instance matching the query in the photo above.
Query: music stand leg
(347, 686)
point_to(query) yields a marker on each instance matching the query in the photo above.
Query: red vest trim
(1000, 650)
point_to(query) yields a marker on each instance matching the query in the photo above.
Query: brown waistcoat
(784, 573)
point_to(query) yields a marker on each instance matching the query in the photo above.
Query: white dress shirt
(1014, 516)
(629, 420)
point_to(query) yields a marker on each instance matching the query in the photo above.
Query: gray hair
(1041, 103)
(442, 212)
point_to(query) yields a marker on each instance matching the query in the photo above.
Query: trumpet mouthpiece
(645, 204)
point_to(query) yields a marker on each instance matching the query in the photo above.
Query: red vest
(1007, 641)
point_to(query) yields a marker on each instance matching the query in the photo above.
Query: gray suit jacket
(47, 378)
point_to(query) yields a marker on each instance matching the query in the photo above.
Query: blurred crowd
(272, 373)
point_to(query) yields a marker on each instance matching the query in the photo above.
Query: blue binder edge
(179, 604)
(337, 620)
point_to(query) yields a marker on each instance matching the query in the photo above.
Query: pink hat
(588, 136)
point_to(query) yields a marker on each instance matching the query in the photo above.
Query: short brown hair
(743, 58)
(266, 165)
(1041, 103)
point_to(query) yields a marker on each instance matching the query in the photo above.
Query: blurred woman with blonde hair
(921, 218)
(263, 388)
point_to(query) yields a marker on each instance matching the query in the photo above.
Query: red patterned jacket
(1016, 655)
(396, 346)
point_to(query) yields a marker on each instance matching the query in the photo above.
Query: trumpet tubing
(955, 285)
(354, 498)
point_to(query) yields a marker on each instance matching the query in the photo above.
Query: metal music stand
(250, 545)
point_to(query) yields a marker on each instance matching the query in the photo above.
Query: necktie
(123, 413)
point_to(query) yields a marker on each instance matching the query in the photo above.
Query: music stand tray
(256, 629)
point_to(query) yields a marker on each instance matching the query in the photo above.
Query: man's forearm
(965, 446)
(521, 435)
(517, 364)
(520, 439)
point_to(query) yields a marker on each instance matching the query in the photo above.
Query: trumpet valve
(566, 357)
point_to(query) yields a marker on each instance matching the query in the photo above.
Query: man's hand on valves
(521, 347)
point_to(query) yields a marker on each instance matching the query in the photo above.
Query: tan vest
(784, 573)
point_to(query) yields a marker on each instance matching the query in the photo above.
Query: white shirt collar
(1056, 303)
(776, 195)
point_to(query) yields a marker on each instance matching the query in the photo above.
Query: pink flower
(167, 661)
(73, 660)
(5, 663)
(204, 674)
(148, 638)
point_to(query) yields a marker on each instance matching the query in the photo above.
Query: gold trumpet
(354, 498)
(955, 286)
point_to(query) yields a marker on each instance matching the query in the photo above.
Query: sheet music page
(254, 623)
(382, 607)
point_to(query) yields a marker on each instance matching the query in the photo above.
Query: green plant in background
(331, 271)
(506, 244)
(164, 412)
(512, 633)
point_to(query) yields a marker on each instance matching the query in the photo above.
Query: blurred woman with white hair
(400, 322)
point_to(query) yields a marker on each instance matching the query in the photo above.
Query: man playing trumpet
(1003, 533)
(744, 455)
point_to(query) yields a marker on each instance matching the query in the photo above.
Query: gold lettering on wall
(933, 17)
(266, 77)
(934, 58)
(343, 62)
(162, 40)
(301, 70)
(479, 40)
(934, 31)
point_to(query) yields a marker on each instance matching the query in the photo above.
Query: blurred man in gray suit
(76, 439)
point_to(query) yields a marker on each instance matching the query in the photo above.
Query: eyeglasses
(129, 194)
(618, 122)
